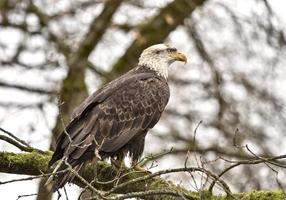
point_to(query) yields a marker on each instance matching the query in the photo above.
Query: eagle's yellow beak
(180, 57)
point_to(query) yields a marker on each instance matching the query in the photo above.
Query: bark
(73, 90)
(36, 163)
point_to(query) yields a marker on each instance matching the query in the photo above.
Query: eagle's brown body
(113, 121)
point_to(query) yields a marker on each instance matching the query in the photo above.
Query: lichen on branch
(156, 188)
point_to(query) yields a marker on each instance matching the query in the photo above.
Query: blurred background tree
(54, 53)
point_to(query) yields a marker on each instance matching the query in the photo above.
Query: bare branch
(22, 145)
(26, 88)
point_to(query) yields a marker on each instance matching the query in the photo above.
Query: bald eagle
(114, 120)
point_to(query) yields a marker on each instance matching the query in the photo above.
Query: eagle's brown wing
(113, 117)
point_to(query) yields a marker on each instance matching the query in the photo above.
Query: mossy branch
(35, 163)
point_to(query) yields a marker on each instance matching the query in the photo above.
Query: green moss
(3, 4)
(262, 195)
(24, 163)
(35, 163)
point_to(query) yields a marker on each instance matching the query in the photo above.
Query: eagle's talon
(138, 168)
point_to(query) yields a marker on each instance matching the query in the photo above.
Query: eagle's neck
(158, 65)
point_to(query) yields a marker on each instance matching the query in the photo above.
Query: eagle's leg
(137, 167)
(118, 162)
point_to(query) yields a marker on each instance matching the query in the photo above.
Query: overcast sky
(12, 117)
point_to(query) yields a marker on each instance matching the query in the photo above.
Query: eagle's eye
(170, 50)
(158, 51)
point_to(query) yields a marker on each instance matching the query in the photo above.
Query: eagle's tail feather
(65, 177)
(52, 177)
(59, 180)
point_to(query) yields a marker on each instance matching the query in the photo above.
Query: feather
(113, 121)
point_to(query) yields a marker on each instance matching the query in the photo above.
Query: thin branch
(150, 193)
(44, 20)
(168, 171)
(26, 88)
(17, 142)
(246, 162)
(32, 177)
(14, 137)
(97, 192)
(26, 195)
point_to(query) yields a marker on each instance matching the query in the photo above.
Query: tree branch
(159, 27)
(96, 30)
(26, 88)
(17, 142)
(37, 164)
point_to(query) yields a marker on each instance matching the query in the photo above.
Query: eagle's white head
(158, 58)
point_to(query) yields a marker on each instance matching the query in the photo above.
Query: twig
(66, 194)
(27, 195)
(150, 193)
(15, 143)
(195, 153)
(31, 178)
(150, 157)
(192, 176)
(20, 144)
(168, 171)
(266, 161)
(246, 162)
(97, 192)
(27, 88)
(195, 134)
(14, 137)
